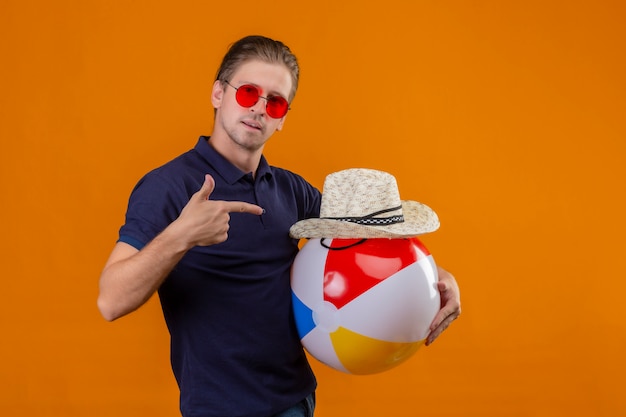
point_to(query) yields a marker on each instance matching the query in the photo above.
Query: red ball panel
(353, 268)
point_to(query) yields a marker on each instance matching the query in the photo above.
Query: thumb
(207, 188)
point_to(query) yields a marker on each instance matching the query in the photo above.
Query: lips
(253, 124)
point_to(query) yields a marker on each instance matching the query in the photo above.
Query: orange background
(508, 118)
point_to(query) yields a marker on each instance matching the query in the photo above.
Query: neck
(247, 160)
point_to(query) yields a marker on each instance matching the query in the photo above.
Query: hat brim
(419, 219)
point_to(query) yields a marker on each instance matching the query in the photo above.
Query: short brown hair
(261, 48)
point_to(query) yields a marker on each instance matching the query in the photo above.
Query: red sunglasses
(248, 95)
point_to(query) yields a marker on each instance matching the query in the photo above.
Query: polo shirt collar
(229, 172)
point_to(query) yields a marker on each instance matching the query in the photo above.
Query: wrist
(176, 237)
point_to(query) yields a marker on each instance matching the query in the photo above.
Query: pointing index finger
(243, 207)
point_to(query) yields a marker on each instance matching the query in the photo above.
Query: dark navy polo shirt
(235, 350)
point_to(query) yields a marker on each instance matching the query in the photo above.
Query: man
(210, 232)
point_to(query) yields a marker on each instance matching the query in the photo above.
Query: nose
(259, 106)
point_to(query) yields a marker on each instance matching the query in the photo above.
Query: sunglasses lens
(247, 95)
(277, 107)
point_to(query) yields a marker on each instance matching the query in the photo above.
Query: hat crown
(359, 192)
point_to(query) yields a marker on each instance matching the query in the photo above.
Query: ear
(217, 94)
(281, 123)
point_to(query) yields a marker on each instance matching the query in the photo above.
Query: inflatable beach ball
(364, 306)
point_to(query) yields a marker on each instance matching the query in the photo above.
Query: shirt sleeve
(311, 199)
(154, 203)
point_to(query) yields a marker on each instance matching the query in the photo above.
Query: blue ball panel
(303, 316)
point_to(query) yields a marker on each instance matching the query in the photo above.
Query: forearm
(131, 277)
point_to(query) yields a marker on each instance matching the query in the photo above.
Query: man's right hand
(206, 222)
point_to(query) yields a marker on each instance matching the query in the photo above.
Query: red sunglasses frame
(275, 106)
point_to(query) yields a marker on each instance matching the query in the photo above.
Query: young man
(210, 232)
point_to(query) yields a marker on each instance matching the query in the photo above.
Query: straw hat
(365, 203)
